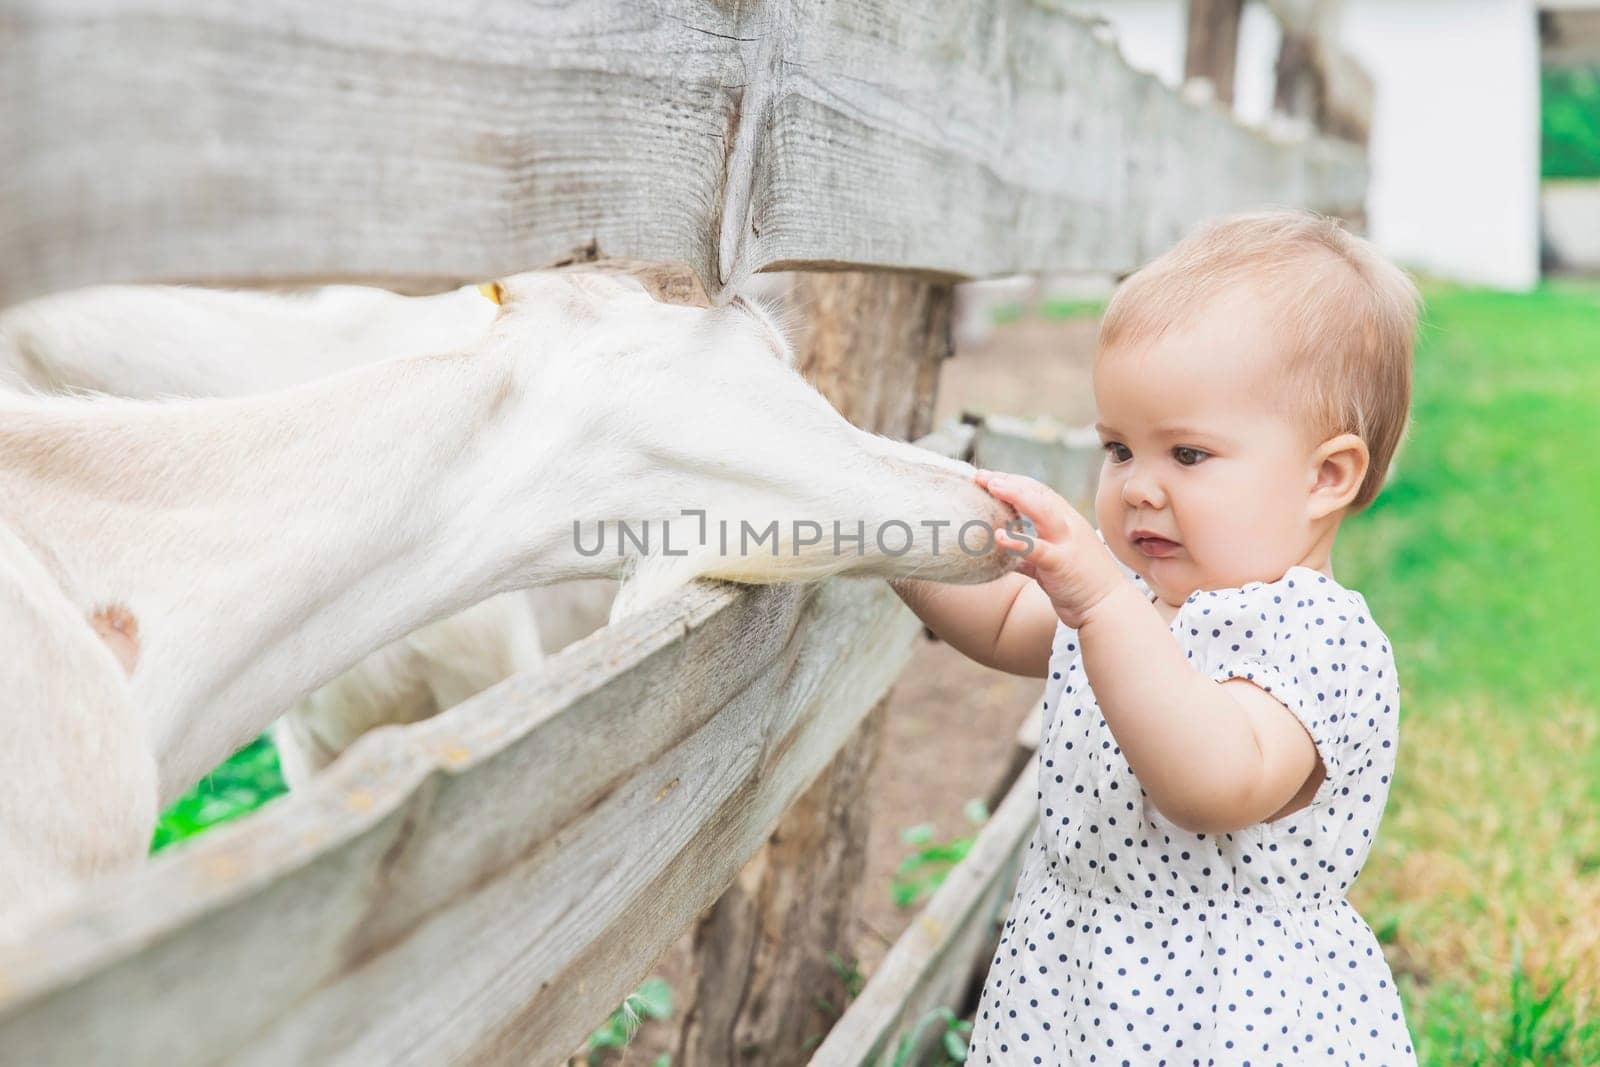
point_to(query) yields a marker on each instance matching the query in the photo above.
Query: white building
(1454, 150)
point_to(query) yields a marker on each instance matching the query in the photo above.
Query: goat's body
(249, 549)
(148, 342)
(85, 803)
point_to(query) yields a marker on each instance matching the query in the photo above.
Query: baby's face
(1199, 453)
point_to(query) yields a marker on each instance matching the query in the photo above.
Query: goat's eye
(1111, 448)
(1188, 457)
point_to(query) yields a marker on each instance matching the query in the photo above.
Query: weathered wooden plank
(951, 941)
(484, 886)
(1066, 458)
(421, 144)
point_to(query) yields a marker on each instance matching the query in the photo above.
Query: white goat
(173, 574)
(149, 342)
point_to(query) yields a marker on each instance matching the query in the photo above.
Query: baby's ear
(1341, 466)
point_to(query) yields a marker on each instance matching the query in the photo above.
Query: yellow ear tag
(493, 291)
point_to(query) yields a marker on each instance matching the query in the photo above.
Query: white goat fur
(149, 342)
(258, 545)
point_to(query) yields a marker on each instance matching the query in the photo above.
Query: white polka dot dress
(1132, 941)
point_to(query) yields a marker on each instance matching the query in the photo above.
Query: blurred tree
(1570, 122)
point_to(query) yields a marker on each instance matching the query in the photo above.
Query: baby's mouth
(1156, 547)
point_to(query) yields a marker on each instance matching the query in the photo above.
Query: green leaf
(653, 999)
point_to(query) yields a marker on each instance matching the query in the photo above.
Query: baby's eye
(1188, 457)
(1111, 448)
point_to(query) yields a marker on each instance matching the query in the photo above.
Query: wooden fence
(487, 885)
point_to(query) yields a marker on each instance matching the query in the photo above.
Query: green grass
(1052, 310)
(922, 872)
(955, 1035)
(1055, 310)
(1481, 552)
(609, 1043)
(1479, 562)
(247, 780)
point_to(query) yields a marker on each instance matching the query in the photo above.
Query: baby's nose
(1139, 490)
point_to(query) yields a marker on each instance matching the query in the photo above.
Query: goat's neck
(262, 545)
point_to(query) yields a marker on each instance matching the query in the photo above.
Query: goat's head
(691, 425)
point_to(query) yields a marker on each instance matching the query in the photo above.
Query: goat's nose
(1002, 514)
(988, 510)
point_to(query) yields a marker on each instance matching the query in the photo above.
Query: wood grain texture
(945, 948)
(484, 886)
(1066, 458)
(765, 989)
(420, 144)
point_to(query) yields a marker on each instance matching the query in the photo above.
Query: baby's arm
(1007, 624)
(1212, 758)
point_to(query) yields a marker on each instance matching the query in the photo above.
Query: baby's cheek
(1107, 511)
(1229, 532)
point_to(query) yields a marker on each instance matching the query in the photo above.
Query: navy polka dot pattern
(1130, 940)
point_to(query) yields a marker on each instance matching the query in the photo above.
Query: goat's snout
(957, 524)
(993, 515)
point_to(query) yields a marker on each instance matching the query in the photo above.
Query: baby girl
(1220, 713)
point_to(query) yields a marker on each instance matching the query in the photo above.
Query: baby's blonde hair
(1348, 318)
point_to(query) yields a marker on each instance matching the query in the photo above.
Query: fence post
(1317, 81)
(872, 343)
(1212, 46)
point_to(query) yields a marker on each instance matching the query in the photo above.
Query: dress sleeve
(1313, 645)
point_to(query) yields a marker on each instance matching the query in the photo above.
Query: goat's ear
(529, 288)
(773, 318)
(790, 357)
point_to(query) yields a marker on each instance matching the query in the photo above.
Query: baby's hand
(1065, 556)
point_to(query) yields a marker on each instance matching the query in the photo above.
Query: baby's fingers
(1018, 545)
(1032, 553)
(1041, 504)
